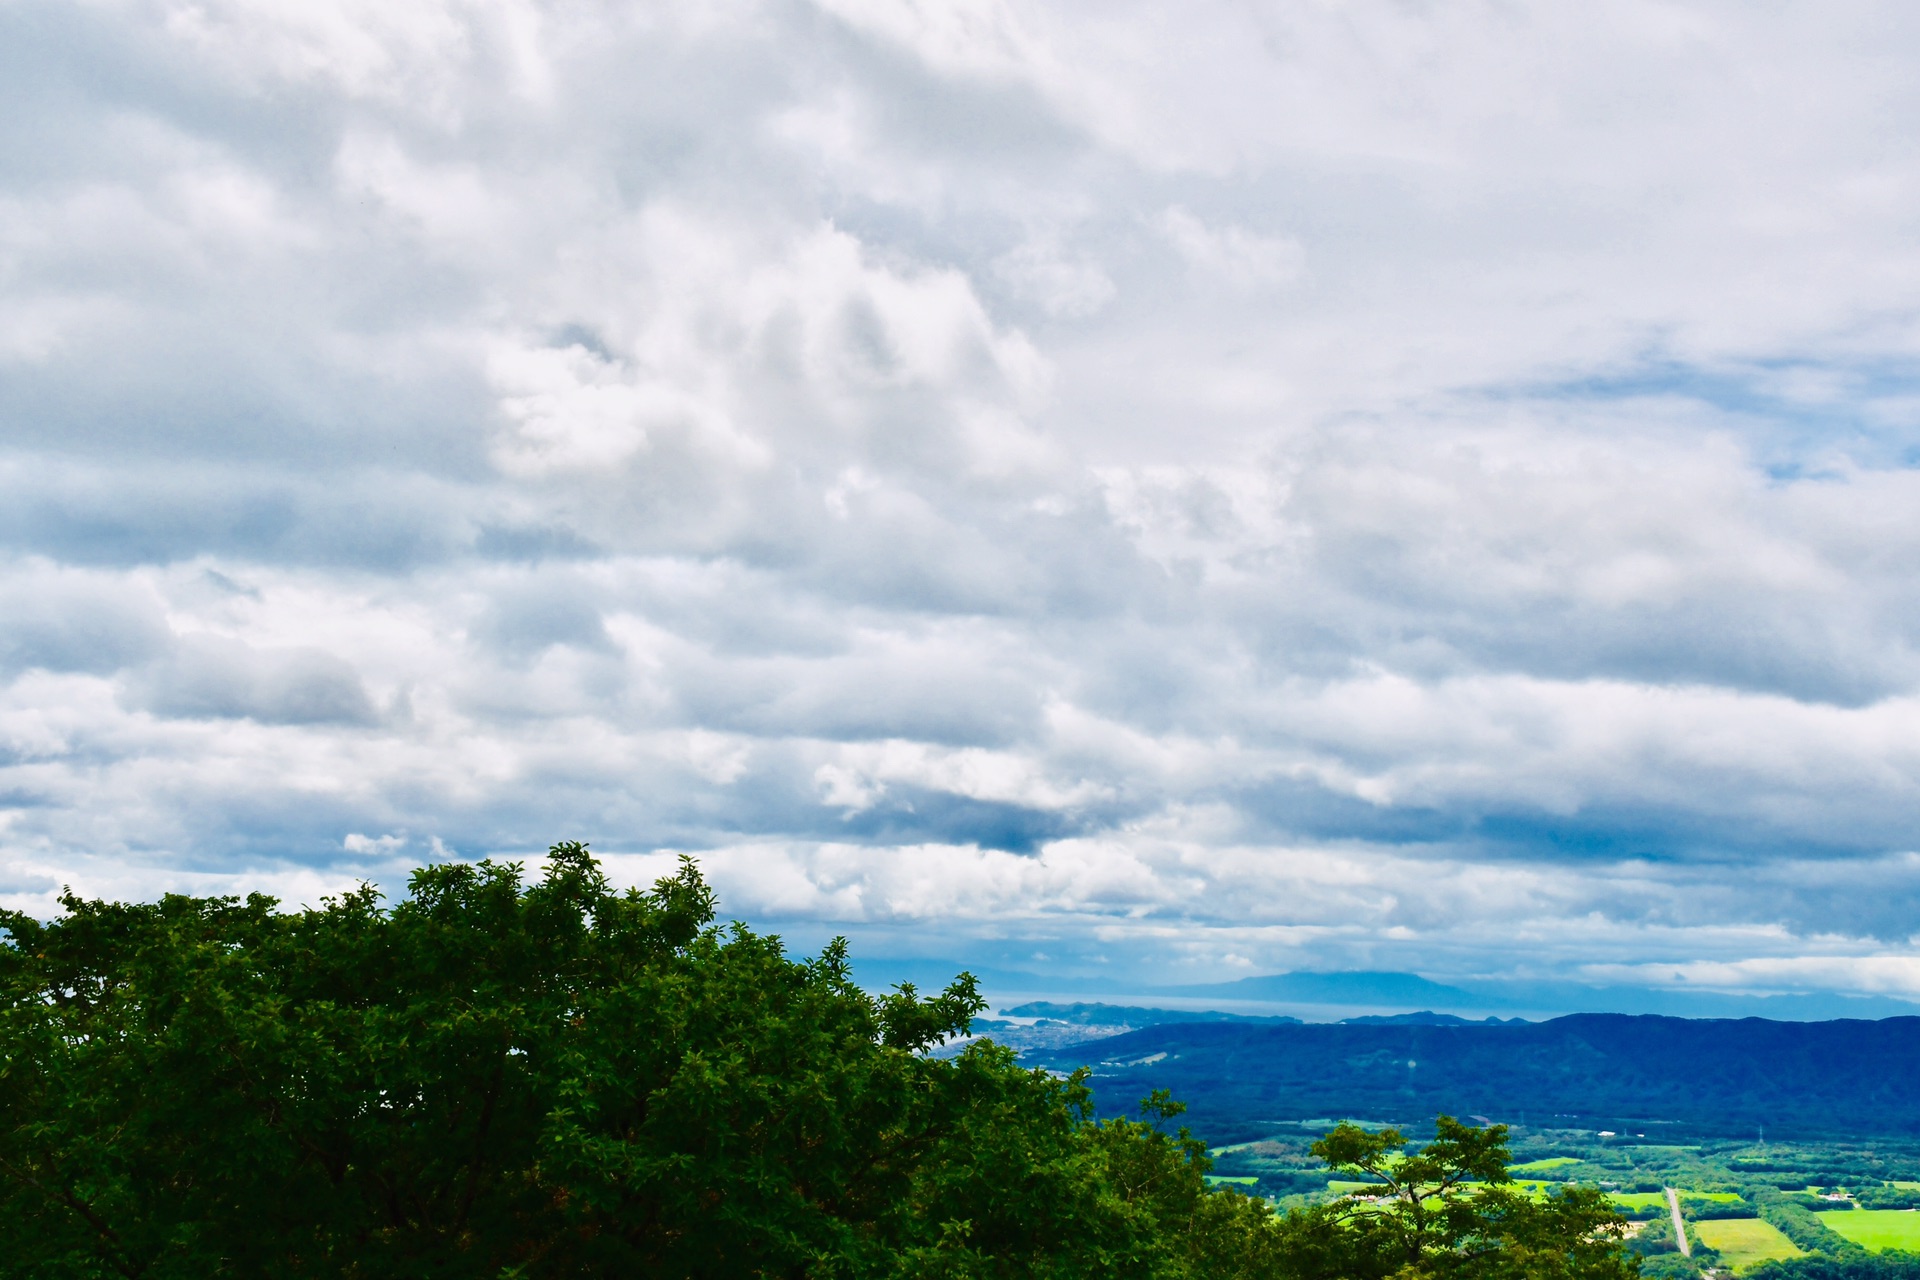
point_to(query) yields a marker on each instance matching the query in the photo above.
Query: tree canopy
(1449, 1209)
(496, 1078)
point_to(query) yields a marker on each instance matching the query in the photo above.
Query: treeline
(1802, 1225)
(1815, 1167)
(494, 1078)
(1858, 1266)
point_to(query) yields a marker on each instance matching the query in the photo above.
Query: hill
(1586, 1070)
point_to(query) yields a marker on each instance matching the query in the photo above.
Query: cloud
(57, 619)
(211, 676)
(1287, 487)
(1060, 282)
(1240, 258)
(1891, 975)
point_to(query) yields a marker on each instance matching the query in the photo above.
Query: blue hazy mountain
(1082, 1014)
(1424, 1018)
(1346, 987)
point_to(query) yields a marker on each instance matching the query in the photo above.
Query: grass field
(1745, 1241)
(1719, 1197)
(1638, 1199)
(1541, 1166)
(1878, 1229)
(1214, 1179)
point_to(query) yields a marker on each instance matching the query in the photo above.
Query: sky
(1167, 491)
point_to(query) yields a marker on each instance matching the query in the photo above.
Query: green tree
(1448, 1210)
(493, 1078)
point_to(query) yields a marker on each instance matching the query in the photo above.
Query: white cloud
(1897, 975)
(1241, 259)
(1250, 486)
(1060, 282)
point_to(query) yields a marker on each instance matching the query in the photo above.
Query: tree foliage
(492, 1078)
(1449, 1209)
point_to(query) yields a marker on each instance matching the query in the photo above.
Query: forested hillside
(1597, 1070)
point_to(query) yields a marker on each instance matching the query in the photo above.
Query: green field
(1658, 1199)
(1878, 1229)
(1745, 1241)
(1638, 1199)
(1541, 1166)
(1214, 1180)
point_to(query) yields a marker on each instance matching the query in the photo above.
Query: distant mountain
(1130, 1016)
(1410, 991)
(1345, 987)
(1585, 1071)
(1424, 1018)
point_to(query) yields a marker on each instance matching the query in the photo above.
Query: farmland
(1744, 1202)
(1878, 1229)
(1741, 1242)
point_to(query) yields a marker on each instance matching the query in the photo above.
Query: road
(1679, 1227)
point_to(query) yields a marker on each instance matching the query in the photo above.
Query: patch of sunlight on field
(1718, 1197)
(1877, 1229)
(1541, 1166)
(1742, 1242)
(1215, 1179)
